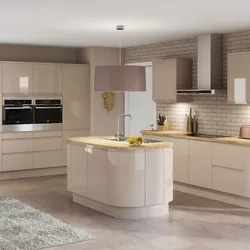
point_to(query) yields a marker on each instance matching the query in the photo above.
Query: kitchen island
(119, 180)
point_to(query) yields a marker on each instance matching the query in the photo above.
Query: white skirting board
(33, 173)
(134, 213)
(213, 195)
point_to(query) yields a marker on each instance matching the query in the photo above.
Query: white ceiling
(81, 23)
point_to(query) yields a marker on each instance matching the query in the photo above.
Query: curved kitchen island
(119, 180)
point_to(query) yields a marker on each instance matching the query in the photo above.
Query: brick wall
(214, 115)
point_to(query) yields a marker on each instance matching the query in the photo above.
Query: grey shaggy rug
(25, 228)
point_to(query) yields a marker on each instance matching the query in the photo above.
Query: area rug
(25, 228)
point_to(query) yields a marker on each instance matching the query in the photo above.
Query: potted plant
(160, 122)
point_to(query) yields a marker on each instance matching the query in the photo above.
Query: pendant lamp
(120, 78)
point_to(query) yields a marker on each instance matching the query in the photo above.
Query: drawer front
(18, 146)
(229, 156)
(47, 159)
(227, 180)
(19, 161)
(47, 144)
(42, 134)
(18, 135)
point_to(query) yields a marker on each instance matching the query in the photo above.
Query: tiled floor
(194, 223)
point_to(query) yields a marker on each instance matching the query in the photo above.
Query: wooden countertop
(183, 135)
(99, 142)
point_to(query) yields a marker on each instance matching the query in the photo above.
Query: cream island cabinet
(122, 181)
(217, 168)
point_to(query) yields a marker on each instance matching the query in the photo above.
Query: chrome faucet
(119, 133)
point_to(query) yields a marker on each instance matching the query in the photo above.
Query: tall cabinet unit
(76, 109)
(48, 79)
(169, 76)
(18, 79)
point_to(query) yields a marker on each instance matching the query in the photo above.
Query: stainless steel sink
(125, 140)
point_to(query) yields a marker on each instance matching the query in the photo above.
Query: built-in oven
(48, 114)
(17, 115)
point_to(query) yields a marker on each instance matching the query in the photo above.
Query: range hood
(209, 66)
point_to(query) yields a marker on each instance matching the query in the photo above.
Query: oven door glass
(17, 115)
(48, 114)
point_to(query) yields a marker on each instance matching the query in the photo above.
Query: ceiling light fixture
(120, 78)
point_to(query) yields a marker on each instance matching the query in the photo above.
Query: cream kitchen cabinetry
(48, 149)
(47, 79)
(71, 133)
(181, 168)
(76, 92)
(17, 149)
(200, 165)
(1, 81)
(18, 79)
(170, 75)
(238, 78)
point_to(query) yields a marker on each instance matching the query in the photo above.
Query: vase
(160, 127)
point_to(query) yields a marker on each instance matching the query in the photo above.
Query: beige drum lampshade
(120, 78)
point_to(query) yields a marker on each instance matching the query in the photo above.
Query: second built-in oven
(48, 114)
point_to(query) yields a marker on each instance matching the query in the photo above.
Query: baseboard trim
(33, 173)
(213, 195)
(134, 213)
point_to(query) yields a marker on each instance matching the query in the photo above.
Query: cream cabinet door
(17, 161)
(47, 79)
(200, 165)
(238, 78)
(1, 81)
(181, 167)
(77, 178)
(97, 174)
(164, 80)
(18, 78)
(71, 133)
(76, 113)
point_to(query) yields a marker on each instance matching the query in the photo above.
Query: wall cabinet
(200, 165)
(181, 168)
(238, 78)
(18, 79)
(47, 79)
(170, 75)
(76, 92)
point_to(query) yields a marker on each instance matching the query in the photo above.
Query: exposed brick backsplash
(213, 113)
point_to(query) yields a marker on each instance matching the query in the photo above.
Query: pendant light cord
(120, 28)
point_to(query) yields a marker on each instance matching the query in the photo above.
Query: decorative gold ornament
(109, 100)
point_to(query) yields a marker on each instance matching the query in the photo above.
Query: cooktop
(206, 135)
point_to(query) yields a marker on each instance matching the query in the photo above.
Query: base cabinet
(181, 168)
(17, 161)
(200, 154)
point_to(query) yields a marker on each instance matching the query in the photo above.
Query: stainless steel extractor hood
(208, 65)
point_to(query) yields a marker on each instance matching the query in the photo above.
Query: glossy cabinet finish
(47, 144)
(77, 171)
(237, 73)
(126, 179)
(227, 180)
(47, 79)
(71, 133)
(48, 159)
(18, 79)
(18, 145)
(170, 75)
(17, 161)
(121, 183)
(200, 165)
(97, 174)
(229, 156)
(181, 164)
(1, 81)
(76, 100)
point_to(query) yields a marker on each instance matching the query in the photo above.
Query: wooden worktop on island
(183, 135)
(100, 142)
